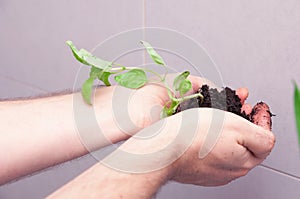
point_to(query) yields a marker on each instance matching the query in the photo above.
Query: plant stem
(120, 69)
(188, 97)
(153, 72)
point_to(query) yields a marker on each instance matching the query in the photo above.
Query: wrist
(120, 112)
(105, 122)
(154, 149)
(132, 171)
(140, 185)
(103, 182)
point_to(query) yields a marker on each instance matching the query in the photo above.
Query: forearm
(39, 133)
(131, 175)
(102, 182)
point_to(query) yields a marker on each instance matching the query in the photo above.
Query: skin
(262, 115)
(48, 136)
(241, 147)
(46, 133)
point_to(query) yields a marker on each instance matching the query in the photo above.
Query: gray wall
(254, 44)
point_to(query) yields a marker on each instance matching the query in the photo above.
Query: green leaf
(97, 62)
(95, 72)
(297, 109)
(87, 89)
(181, 77)
(101, 75)
(134, 78)
(77, 54)
(165, 112)
(104, 78)
(87, 58)
(181, 83)
(153, 54)
(184, 87)
(169, 110)
(75, 51)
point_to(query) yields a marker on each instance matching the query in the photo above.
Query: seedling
(132, 77)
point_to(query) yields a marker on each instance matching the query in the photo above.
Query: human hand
(172, 149)
(146, 103)
(240, 147)
(134, 109)
(230, 152)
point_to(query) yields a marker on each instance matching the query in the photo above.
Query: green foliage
(99, 69)
(134, 78)
(169, 109)
(87, 58)
(86, 90)
(153, 54)
(182, 84)
(297, 109)
(130, 77)
(102, 75)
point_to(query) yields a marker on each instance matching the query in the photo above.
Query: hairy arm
(163, 152)
(42, 132)
(128, 172)
(106, 183)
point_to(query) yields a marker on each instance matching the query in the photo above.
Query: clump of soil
(226, 100)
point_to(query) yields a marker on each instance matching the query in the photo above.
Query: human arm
(151, 162)
(45, 131)
(38, 133)
(42, 132)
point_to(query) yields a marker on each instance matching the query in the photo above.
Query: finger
(242, 93)
(257, 140)
(247, 108)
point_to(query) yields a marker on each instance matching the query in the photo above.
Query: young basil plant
(297, 109)
(102, 70)
(131, 77)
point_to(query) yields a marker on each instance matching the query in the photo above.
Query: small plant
(297, 109)
(132, 77)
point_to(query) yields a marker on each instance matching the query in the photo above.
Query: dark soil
(226, 100)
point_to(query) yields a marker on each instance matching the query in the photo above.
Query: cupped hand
(240, 146)
(147, 102)
(121, 112)
(133, 109)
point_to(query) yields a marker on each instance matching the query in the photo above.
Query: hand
(241, 146)
(134, 109)
(146, 103)
(146, 164)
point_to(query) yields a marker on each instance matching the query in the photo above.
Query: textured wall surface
(254, 44)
